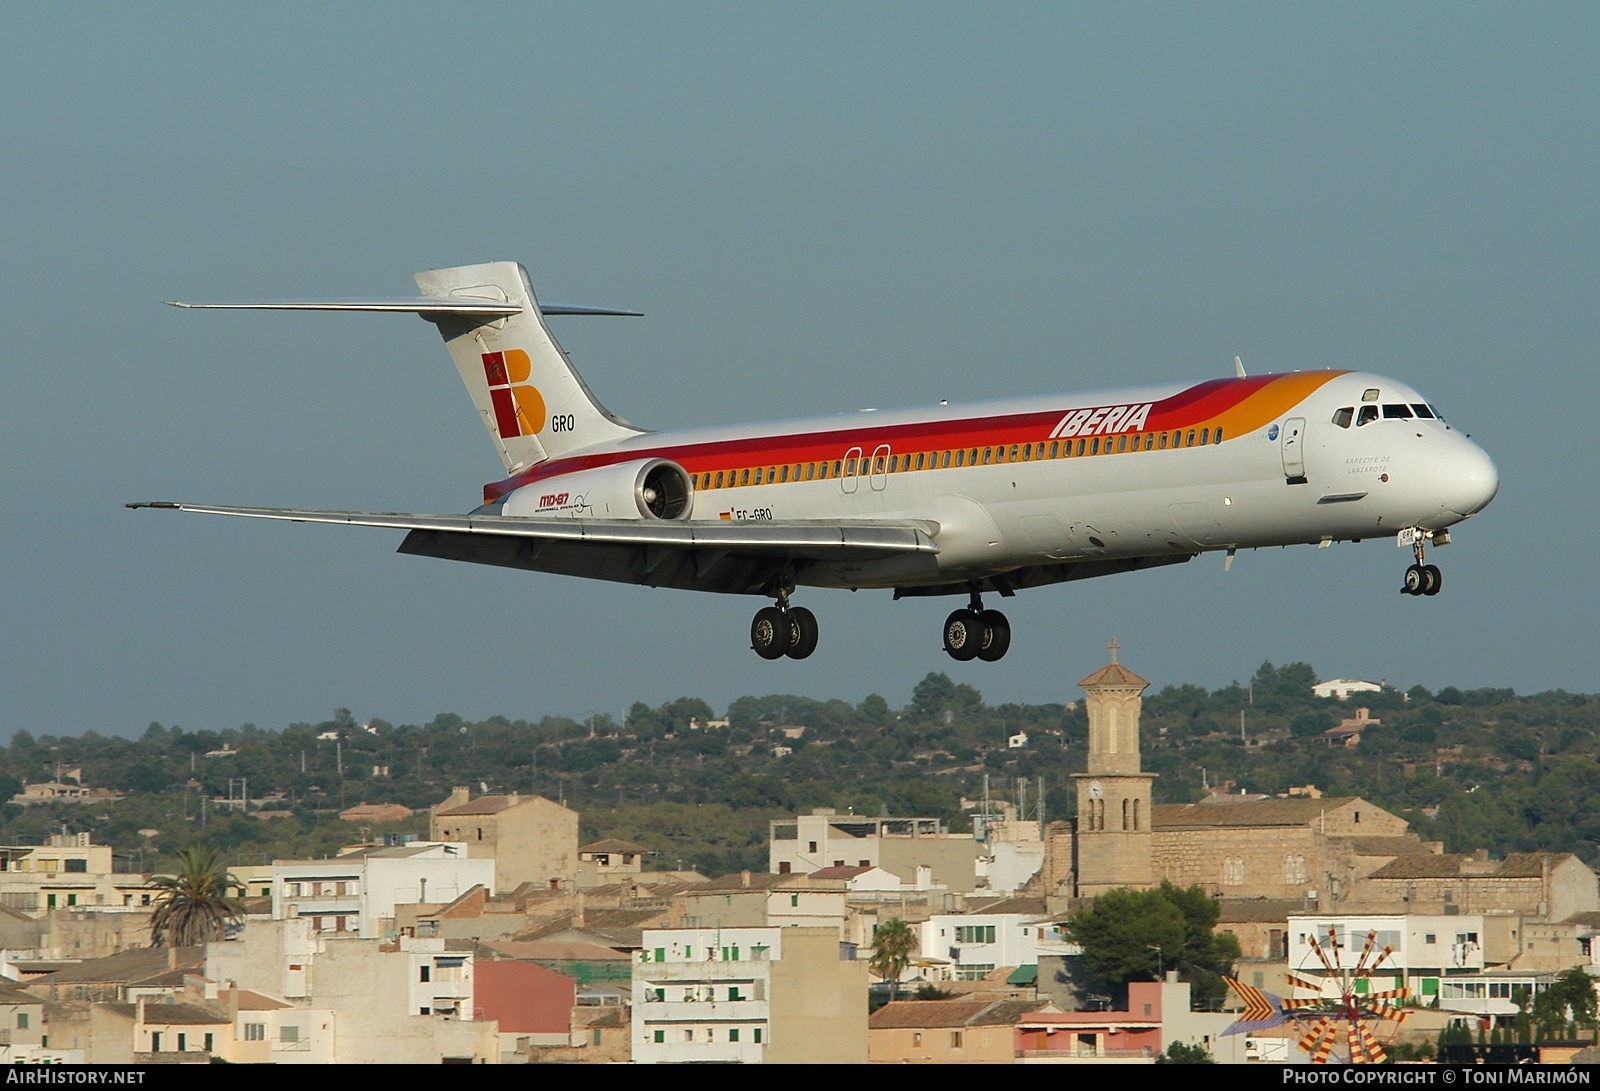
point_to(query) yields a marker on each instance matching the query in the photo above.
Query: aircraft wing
(739, 557)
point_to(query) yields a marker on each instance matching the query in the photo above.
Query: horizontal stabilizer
(428, 307)
(797, 538)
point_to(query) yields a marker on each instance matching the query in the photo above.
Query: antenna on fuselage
(1238, 367)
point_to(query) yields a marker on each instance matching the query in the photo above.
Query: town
(487, 930)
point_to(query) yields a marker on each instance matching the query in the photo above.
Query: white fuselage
(1167, 472)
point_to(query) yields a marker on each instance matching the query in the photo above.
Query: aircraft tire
(996, 636)
(770, 633)
(963, 635)
(1414, 580)
(1433, 579)
(802, 632)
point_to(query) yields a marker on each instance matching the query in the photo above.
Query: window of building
(255, 1032)
(916, 1038)
(426, 970)
(22, 1020)
(659, 1037)
(77, 865)
(758, 1035)
(733, 1034)
(183, 1043)
(210, 1040)
(794, 900)
(155, 1042)
(955, 1039)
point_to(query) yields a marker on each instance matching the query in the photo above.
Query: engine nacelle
(650, 488)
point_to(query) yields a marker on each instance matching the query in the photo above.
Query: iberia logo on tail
(518, 408)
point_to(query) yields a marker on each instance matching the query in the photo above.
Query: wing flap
(817, 539)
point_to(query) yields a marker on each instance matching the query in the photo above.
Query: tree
(1569, 999)
(1183, 1053)
(893, 942)
(195, 905)
(1131, 935)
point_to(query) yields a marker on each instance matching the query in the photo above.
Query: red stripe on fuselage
(1189, 407)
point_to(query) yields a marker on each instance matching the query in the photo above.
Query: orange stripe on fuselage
(1237, 406)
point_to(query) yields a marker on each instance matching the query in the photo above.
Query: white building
(824, 839)
(1342, 688)
(748, 995)
(1426, 949)
(356, 894)
(976, 944)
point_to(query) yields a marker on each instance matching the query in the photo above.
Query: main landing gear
(1421, 579)
(976, 633)
(783, 630)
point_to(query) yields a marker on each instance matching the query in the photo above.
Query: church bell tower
(1115, 842)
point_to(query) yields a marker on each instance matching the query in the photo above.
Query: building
(1009, 935)
(532, 1006)
(825, 838)
(1342, 688)
(1158, 1014)
(751, 995)
(67, 870)
(967, 1031)
(1115, 845)
(530, 839)
(356, 895)
(609, 861)
(1551, 886)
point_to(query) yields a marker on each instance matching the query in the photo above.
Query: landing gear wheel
(1432, 579)
(996, 636)
(770, 633)
(1415, 580)
(963, 635)
(802, 632)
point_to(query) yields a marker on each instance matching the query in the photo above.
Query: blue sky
(819, 207)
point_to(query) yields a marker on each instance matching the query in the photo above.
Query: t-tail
(532, 401)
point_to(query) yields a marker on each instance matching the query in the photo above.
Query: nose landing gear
(976, 633)
(783, 630)
(1420, 579)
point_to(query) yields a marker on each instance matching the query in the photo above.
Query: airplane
(987, 498)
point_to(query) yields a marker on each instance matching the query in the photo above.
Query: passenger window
(1369, 413)
(1163, 443)
(719, 480)
(783, 475)
(744, 477)
(849, 467)
(944, 462)
(919, 459)
(822, 471)
(892, 460)
(1343, 417)
(811, 471)
(1054, 447)
(1190, 441)
(1122, 444)
(835, 467)
(879, 465)
(1013, 452)
(1422, 411)
(972, 456)
(1080, 445)
(772, 474)
(758, 475)
(961, 458)
(1218, 437)
(1094, 446)
(1149, 441)
(988, 452)
(1177, 439)
(1205, 436)
(1027, 451)
(1396, 412)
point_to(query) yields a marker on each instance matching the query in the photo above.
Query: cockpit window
(1343, 417)
(1369, 413)
(1422, 411)
(1395, 411)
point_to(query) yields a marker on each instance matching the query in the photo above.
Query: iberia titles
(1105, 419)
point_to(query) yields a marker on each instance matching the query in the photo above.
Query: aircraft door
(879, 468)
(1294, 450)
(848, 481)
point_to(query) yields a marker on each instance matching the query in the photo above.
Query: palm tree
(196, 905)
(893, 941)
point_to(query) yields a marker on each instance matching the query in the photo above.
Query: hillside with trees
(1484, 768)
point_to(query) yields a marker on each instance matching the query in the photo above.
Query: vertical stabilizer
(533, 403)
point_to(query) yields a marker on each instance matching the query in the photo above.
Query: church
(1316, 850)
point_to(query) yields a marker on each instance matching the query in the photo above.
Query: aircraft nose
(1467, 479)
